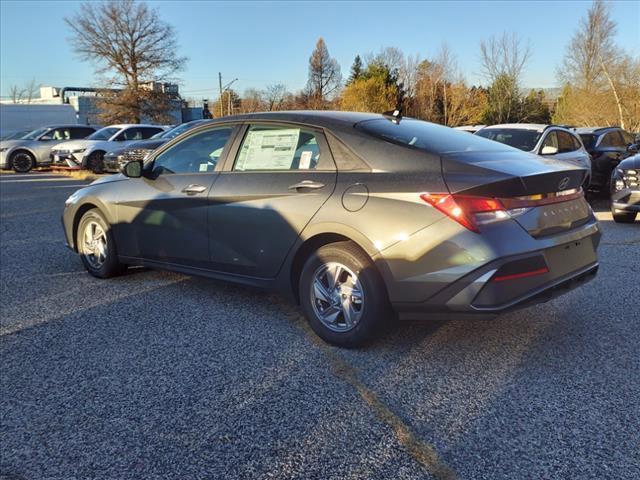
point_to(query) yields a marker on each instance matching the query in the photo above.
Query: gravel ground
(160, 375)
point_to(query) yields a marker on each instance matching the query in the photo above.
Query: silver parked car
(34, 148)
(547, 140)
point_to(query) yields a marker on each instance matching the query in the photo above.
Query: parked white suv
(546, 140)
(89, 153)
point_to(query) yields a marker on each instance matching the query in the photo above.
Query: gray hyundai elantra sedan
(360, 218)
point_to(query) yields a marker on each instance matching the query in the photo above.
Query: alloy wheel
(94, 244)
(337, 297)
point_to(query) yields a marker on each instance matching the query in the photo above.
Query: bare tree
(504, 55)
(325, 76)
(16, 93)
(31, 91)
(274, 96)
(132, 47)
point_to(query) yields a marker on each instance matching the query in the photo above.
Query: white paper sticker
(204, 167)
(305, 160)
(268, 149)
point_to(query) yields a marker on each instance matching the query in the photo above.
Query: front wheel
(95, 162)
(97, 247)
(342, 295)
(623, 217)
(22, 162)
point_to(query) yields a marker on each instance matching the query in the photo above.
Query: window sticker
(268, 149)
(204, 167)
(305, 160)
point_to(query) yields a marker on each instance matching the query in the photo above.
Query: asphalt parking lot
(160, 375)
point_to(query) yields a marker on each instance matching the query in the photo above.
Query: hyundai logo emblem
(564, 183)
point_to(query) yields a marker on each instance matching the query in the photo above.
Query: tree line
(131, 46)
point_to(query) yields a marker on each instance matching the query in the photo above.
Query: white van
(16, 118)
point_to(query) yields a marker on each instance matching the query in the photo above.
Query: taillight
(468, 211)
(471, 211)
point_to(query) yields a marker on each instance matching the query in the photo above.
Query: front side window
(60, 134)
(278, 148)
(565, 142)
(198, 153)
(550, 144)
(589, 140)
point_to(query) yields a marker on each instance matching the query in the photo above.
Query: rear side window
(551, 142)
(612, 139)
(148, 132)
(429, 137)
(565, 142)
(278, 148)
(81, 132)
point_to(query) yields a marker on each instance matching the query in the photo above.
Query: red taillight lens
(468, 211)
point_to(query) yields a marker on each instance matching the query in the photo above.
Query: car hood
(14, 143)
(150, 144)
(76, 144)
(631, 162)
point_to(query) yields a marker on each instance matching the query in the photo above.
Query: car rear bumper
(489, 275)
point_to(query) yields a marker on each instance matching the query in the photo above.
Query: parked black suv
(608, 146)
(625, 190)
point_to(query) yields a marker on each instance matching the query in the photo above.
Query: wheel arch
(85, 159)
(81, 210)
(19, 149)
(313, 241)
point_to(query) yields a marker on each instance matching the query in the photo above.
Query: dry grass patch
(79, 174)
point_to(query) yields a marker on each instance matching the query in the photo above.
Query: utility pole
(220, 84)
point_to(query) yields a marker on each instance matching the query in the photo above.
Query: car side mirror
(548, 150)
(132, 169)
(46, 138)
(633, 148)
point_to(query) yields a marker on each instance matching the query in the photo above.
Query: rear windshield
(515, 137)
(428, 136)
(588, 140)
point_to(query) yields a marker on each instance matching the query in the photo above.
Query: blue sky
(267, 42)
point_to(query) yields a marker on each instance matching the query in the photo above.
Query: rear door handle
(306, 184)
(193, 189)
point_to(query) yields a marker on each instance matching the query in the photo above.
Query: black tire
(22, 162)
(95, 162)
(375, 307)
(110, 267)
(623, 217)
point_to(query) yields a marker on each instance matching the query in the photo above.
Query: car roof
(69, 125)
(538, 127)
(127, 125)
(595, 130)
(322, 118)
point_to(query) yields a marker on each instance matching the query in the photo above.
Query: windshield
(174, 132)
(16, 135)
(103, 134)
(35, 134)
(515, 137)
(428, 136)
(588, 140)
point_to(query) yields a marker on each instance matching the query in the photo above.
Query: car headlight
(73, 198)
(4, 149)
(78, 150)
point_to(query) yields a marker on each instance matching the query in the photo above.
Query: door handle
(306, 184)
(193, 189)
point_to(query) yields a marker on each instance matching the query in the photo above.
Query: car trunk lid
(543, 195)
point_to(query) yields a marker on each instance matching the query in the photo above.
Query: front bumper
(626, 200)
(72, 160)
(3, 160)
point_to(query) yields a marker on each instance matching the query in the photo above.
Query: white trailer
(20, 117)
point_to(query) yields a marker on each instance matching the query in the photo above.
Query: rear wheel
(342, 295)
(623, 217)
(96, 246)
(95, 162)
(22, 162)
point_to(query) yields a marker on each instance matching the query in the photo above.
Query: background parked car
(34, 148)
(608, 146)
(114, 160)
(470, 128)
(625, 190)
(547, 140)
(20, 117)
(89, 153)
